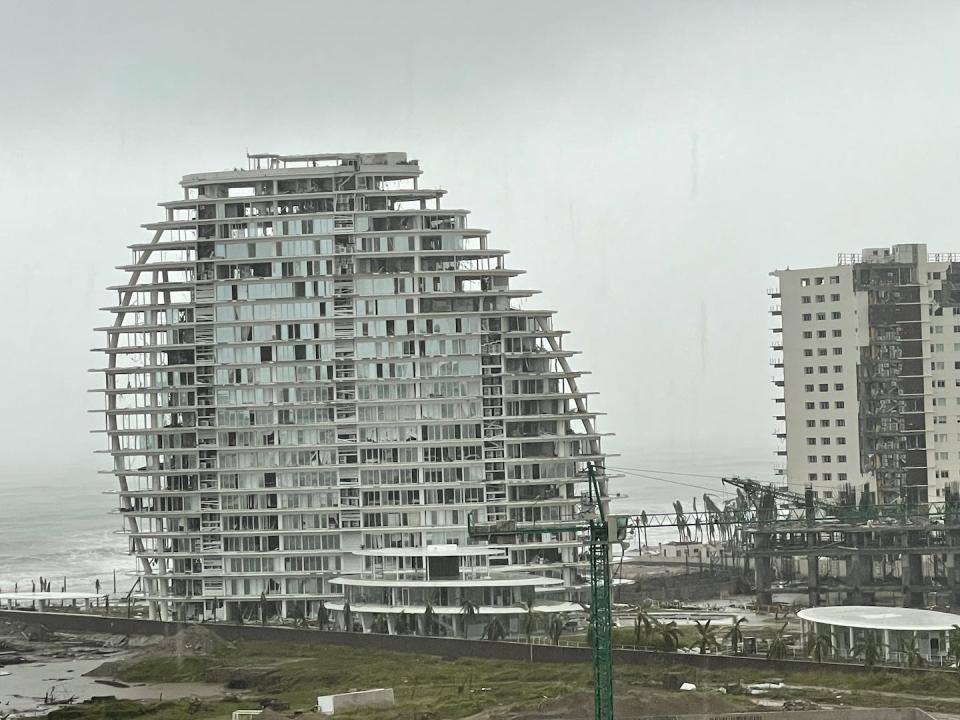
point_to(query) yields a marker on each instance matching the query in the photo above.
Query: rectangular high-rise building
(869, 350)
(313, 365)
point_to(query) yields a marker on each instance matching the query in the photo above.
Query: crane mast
(600, 530)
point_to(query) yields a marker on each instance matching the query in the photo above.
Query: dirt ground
(630, 703)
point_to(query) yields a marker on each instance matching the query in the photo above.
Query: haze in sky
(647, 163)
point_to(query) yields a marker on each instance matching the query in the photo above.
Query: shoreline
(57, 669)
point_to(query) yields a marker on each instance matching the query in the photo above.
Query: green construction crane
(601, 531)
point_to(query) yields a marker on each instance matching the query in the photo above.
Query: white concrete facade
(822, 328)
(312, 356)
(448, 579)
(869, 351)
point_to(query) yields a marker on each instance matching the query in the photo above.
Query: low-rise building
(898, 631)
(464, 586)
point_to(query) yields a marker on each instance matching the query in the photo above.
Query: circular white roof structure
(880, 618)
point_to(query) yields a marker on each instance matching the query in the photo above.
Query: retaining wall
(685, 588)
(442, 647)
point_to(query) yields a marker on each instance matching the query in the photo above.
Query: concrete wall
(442, 647)
(686, 588)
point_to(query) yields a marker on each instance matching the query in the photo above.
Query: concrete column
(813, 579)
(886, 643)
(860, 575)
(763, 571)
(953, 570)
(912, 571)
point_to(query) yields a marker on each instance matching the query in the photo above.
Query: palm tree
(531, 619)
(638, 631)
(870, 649)
(734, 635)
(646, 623)
(323, 616)
(820, 647)
(555, 629)
(347, 617)
(912, 651)
(953, 643)
(708, 637)
(296, 614)
(494, 629)
(778, 645)
(643, 524)
(429, 619)
(469, 610)
(670, 634)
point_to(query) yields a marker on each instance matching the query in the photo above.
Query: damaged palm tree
(494, 629)
(470, 611)
(682, 527)
(429, 619)
(323, 616)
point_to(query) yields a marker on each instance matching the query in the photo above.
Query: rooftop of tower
(261, 165)
(258, 161)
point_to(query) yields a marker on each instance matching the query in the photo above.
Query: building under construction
(852, 551)
(868, 359)
(855, 552)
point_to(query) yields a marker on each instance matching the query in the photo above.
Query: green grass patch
(432, 688)
(426, 687)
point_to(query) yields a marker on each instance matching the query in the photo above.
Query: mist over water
(60, 524)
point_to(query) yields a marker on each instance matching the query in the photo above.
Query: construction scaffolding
(850, 552)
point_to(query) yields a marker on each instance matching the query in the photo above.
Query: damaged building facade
(311, 360)
(868, 356)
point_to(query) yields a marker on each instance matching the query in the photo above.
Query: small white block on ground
(330, 704)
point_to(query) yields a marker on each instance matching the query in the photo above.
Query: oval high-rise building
(312, 358)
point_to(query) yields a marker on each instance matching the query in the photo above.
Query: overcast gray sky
(648, 163)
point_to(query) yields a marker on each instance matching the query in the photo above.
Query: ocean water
(60, 525)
